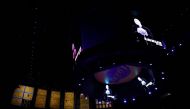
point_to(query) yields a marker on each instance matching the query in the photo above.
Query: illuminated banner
(55, 100)
(84, 102)
(69, 100)
(41, 98)
(22, 93)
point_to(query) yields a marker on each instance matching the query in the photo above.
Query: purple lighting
(117, 75)
(149, 93)
(125, 101)
(133, 99)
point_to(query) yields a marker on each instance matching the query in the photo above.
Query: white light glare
(125, 101)
(137, 22)
(149, 84)
(111, 96)
(139, 79)
(149, 93)
(143, 83)
(140, 30)
(180, 44)
(133, 99)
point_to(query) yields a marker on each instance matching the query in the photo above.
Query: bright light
(139, 79)
(149, 93)
(79, 84)
(86, 98)
(107, 92)
(106, 81)
(156, 88)
(107, 86)
(162, 72)
(143, 83)
(153, 41)
(100, 67)
(133, 99)
(149, 84)
(125, 101)
(180, 44)
(110, 96)
(150, 64)
(142, 31)
(163, 78)
(168, 94)
(78, 53)
(137, 22)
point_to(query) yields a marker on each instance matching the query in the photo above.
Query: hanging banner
(55, 100)
(69, 100)
(84, 102)
(41, 98)
(28, 93)
(22, 93)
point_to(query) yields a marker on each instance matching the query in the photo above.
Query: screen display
(117, 75)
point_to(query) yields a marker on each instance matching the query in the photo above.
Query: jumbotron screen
(119, 74)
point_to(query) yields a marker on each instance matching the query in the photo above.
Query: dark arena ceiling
(37, 38)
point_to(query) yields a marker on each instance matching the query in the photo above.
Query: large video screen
(119, 74)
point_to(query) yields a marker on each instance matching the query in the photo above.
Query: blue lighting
(106, 81)
(163, 44)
